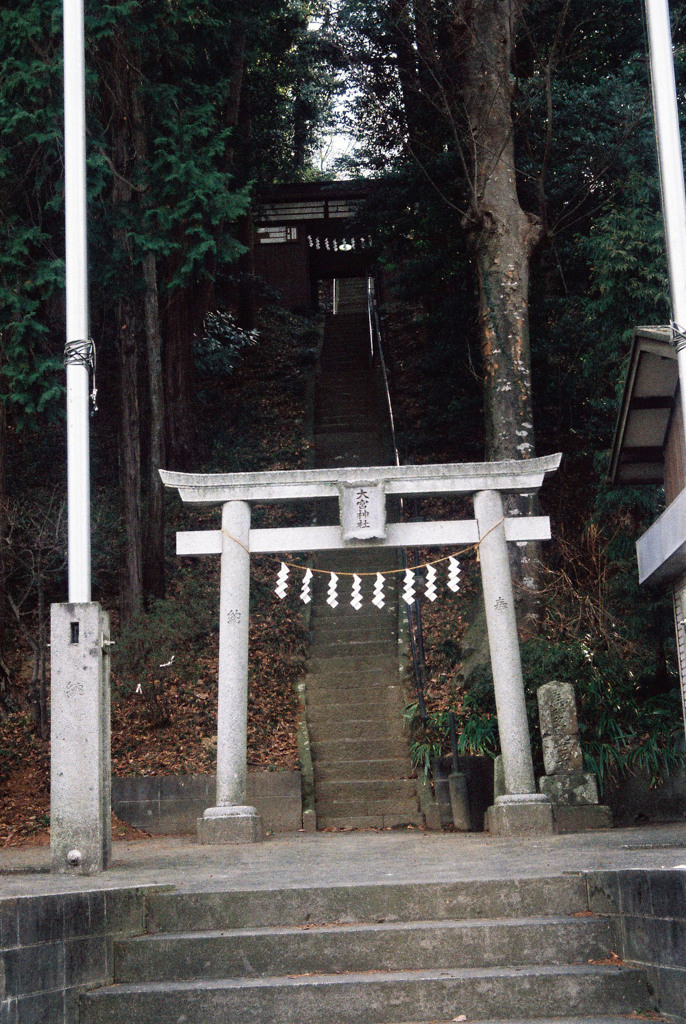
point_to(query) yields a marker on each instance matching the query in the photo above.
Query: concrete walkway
(340, 858)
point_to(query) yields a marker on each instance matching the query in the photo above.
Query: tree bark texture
(503, 238)
(153, 559)
(127, 326)
(154, 526)
(130, 462)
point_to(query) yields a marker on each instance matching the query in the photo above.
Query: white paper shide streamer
(281, 588)
(306, 592)
(378, 598)
(332, 593)
(454, 575)
(430, 592)
(408, 587)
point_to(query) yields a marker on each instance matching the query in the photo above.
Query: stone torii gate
(521, 809)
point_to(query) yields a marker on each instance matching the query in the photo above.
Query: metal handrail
(414, 611)
(373, 325)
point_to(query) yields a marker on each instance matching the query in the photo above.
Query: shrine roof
(648, 404)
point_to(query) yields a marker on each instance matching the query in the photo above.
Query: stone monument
(572, 792)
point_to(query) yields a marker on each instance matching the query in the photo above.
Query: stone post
(80, 765)
(520, 809)
(572, 791)
(232, 821)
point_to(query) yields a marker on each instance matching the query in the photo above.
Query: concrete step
(353, 690)
(348, 694)
(366, 790)
(380, 768)
(368, 615)
(346, 749)
(222, 908)
(409, 818)
(361, 450)
(344, 680)
(376, 998)
(355, 729)
(350, 628)
(403, 810)
(353, 822)
(324, 711)
(258, 952)
(595, 1019)
(380, 663)
(355, 648)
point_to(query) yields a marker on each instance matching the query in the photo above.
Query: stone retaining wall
(171, 804)
(634, 802)
(650, 907)
(52, 947)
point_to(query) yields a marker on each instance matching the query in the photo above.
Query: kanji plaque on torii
(362, 498)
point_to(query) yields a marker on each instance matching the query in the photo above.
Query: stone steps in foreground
(623, 1019)
(390, 946)
(373, 997)
(220, 908)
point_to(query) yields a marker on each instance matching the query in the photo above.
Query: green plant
(476, 725)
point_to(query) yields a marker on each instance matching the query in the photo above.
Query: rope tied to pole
(82, 352)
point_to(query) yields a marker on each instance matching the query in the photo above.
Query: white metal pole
(78, 454)
(671, 169)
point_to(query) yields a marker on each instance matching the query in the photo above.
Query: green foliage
(220, 346)
(608, 637)
(475, 723)
(31, 265)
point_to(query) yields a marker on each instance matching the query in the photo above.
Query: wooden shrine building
(307, 233)
(649, 448)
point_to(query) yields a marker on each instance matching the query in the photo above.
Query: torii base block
(230, 825)
(520, 814)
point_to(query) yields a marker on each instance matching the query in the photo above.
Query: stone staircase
(354, 697)
(515, 950)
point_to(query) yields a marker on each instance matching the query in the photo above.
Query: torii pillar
(232, 820)
(521, 809)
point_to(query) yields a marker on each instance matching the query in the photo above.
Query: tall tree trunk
(153, 557)
(130, 461)
(503, 238)
(3, 534)
(123, 156)
(154, 527)
(179, 376)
